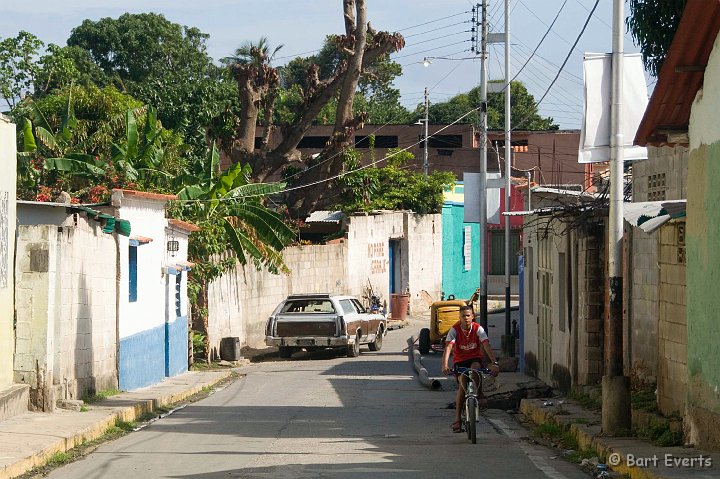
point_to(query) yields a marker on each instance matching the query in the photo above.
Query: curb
(585, 427)
(98, 429)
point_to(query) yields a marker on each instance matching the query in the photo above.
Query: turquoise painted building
(461, 247)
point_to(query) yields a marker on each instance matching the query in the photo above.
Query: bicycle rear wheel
(470, 424)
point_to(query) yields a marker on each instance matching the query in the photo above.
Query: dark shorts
(468, 363)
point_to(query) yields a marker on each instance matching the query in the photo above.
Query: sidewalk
(29, 440)
(635, 457)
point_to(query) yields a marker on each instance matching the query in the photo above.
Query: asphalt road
(320, 416)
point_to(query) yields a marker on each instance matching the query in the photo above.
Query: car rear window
(308, 306)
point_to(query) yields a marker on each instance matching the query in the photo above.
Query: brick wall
(672, 328)
(590, 307)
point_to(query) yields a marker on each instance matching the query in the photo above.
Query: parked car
(320, 321)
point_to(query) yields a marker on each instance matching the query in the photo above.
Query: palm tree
(257, 81)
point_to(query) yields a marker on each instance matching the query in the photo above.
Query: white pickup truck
(320, 321)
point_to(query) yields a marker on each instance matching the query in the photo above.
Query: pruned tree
(360, 48)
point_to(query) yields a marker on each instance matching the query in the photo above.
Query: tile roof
(681, 76)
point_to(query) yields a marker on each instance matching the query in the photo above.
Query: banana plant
(252, 231)
(57, 145)
(141, 155)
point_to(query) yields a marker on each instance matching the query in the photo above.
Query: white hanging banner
(472, 199)
(595, 132)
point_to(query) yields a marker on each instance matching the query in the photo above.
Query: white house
(152, 324)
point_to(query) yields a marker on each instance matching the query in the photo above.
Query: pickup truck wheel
(285, 351)
(377, 344)
(424, 341)
(353, 350)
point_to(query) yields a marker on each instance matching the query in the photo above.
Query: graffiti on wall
(376, 254)
(4, 237)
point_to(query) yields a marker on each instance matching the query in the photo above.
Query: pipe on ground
(423, 376)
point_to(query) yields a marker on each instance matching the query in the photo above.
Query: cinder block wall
(590, 307)
(66, 331)
(672, 334)
(644, 279)
(240, 303)
(662, 176)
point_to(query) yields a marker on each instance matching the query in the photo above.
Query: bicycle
(471, 411)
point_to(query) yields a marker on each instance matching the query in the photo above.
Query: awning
(111, 223)
(650, 215)
(139, 240)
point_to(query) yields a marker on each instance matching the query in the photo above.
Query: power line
(597, 2)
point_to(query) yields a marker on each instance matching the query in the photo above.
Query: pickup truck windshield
(308, 306)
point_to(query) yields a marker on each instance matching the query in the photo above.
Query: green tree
(62, 67)
(18, 66)
(653, 24)
(79, 138)
(392, 187)
(525, 114)
(162, 64)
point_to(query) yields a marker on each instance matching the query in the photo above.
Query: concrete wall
(240, 303)
(425, 259)
(703, 263)
(66, 304)
(8, 179)
(662, 176)
(672, 328)
(574, 257)
(590, 308)
(547, 254)
(142, 323)
(417, 257)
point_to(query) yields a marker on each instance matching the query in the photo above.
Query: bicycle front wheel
(470, 424)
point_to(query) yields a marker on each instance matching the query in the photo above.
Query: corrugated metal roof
(325, 217)
(681, 75)
(650, 215)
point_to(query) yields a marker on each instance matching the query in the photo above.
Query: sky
(438, 30)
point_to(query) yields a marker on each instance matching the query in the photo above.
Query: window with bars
(467, 248)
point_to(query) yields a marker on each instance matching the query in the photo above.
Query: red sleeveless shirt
(467, 345)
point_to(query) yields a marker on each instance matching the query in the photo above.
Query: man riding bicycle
(470, 346)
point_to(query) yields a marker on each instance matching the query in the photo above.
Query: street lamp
(426, 165)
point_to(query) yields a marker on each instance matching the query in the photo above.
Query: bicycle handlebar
(467, 371)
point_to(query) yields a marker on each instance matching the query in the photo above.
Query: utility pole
(483, 166)
(508, 342)
(616, 417)
(426, 166)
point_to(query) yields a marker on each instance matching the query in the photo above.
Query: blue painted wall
(142, 359)
(455, 280)
(177, 347)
